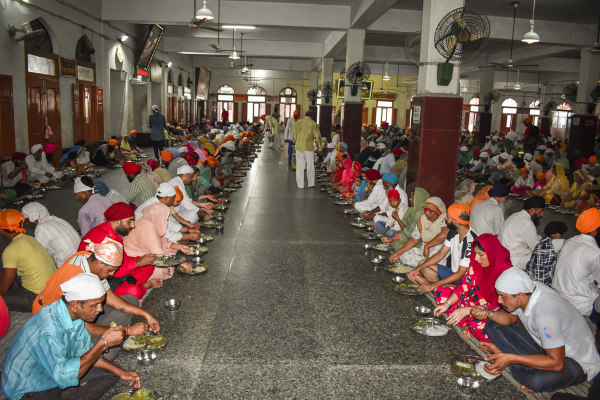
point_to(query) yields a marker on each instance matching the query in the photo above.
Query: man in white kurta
(56, 235)
(306, 137)
(519, 233)
(488, 216)
(38, 168)
(578, 266)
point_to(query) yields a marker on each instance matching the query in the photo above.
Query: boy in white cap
(551, 349)
(38, 167)
(52, 355)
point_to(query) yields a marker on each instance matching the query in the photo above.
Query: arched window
(561, 115)
(225, 102)
(534, 111)
(287, 103)
(534, 104)
(84, 49)
(473, 110)
(257, 98)
(39, 42)
(180, 80)
(257, 91)
(564, 106)
(170, 77)
(508, 122)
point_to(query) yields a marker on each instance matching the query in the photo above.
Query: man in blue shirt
(52, 356)
(157, 123)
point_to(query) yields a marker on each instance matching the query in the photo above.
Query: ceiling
(294, 35)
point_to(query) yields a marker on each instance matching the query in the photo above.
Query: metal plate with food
(196, 270)
(383, 247)
(134, 343)
(342, 202)
(350, 211)
(211, 225)
(398, 268)
(200, 248)
(411, 289)
(362, 224)
(206, 237)
(140, 394)
(229, 189)
(157, 341)
(369, 236)
(54, 187)
(430, 327)
(465, 365)
(221, 207)
(168, 261)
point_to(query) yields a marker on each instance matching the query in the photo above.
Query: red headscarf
(499, 260)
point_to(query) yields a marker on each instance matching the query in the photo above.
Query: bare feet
(419, 279)
(386, 239)
(467, 333)
(489, 348)
(153, 283)
(526, 389)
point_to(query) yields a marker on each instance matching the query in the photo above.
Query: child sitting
(394, 212)
(524, 183)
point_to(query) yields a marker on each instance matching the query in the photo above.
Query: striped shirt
(141, 190)
(91, 214)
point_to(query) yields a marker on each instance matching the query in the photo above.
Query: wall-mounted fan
(326, 91)
(549, 106)
(27, 32)
(412, 47)
(491, 97)
(570, 92)
(355, 75)
(312, 96)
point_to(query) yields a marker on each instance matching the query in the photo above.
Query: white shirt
(391, 221)
(38, 167)
(552, 322)
(81, 262)
(460, 250)
(186, 203)
(577, 267)
(289, 129)
(375, 199)
(387, 163)
(487, 217)
(58, 237)
(7, 168)
(519, 235)
(524, 182)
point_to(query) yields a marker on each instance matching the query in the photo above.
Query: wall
(118, 118)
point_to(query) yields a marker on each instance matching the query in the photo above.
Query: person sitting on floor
(56, 235)
(553, 346)
(26, 265)
(433, 272)
(91, 213)
(578, 267)
(14, 175)
(189, 208)
(177, 161)
(38, 168)
(523, 184)
(519, 232)
(142, 188)
(52, 355)
(101, 188)
(394, 212)
(543, 260)
(488, 216)
(488, 260)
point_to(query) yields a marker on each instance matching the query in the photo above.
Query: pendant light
(234, 54)
(386, 77)
(517, 85)
(531, 37)
(204, 13)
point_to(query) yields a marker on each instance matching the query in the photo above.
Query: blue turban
(390, 177)
(344, 145)
(500, 190)
(174, 151)
(100, 187)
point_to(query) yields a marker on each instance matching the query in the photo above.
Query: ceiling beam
(365, 12)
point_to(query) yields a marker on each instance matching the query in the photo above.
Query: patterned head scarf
(12, 220)
(109, 251)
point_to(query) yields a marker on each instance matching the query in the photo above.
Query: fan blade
(451, 46)
(211, 29)
(477, 37)
(443, 38)
(461, 22)
(217, 48)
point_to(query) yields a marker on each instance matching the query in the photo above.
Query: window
(257, 90)
(561, 116)
(534, 104)
(257, 97)
(225, 102)
(41, 65)
(473, 110)
(383, 113)
(508, 121)
(534, 111)
(287, 103)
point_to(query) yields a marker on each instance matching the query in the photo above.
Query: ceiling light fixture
(169, 64)
(386, 77)
(531, 37)
(234, 54)
(238, 27)
(124, 38)
(517, 85)
(204, 13)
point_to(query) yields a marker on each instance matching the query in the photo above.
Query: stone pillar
(589, 73)
(326, 107)
(436, 116)
(355, 46)
(484, 126)
(545, 125)
(582, 135)
(486, 85)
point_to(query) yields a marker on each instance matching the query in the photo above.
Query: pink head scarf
(148, 236)
(109, 251)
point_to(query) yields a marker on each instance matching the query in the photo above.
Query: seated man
(26, 264)
(488, 215)
(142, 188)
(189, 208)
(56, 235)
(519, 233)
(38, 167)
(458, 243)
(578, 267)
(177, 161)
(52, 355)
(552, 348)
(543, 260)
(91, 214)
(14, 175)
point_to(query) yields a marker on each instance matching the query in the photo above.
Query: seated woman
(464, 192)
(148, 237)
(581, 195)
(488, 260)
(416, 200)
(351, 172)
(427, 236)
(557, 187)
(524, 183)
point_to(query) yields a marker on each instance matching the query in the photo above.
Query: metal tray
(426, 326)
(168, 261)
(409, 289)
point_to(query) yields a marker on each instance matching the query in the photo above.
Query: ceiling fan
(198, 23)
(596, 46)
(217, 46)
(510, 63)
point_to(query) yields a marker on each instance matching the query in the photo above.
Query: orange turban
(212, 162)
(524, 170)
(178, 194)
(112, 142)
(588, 221)
(166, 156)
(133, 132)
(12, 220)
(527, 120)
(541, 159)
(459, 212)
(296, 112)
(593, 160)
(262, 117)
(540, 175)
(339, 156)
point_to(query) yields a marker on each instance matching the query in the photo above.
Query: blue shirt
(158, 123)
(45, 353)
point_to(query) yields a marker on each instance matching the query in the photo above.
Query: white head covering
(330, 146)
(182, 149)
(34, 211)
(464, 148)
(80, 186)
(165, 190)
(504, 155)
(527, 157)
(83, 286)
(155, 108)
(371, 144)
(380, 146)
(549, 151)
(229, 146)
(483, 154)
(185, 169)
(35, 148)
(514, 280)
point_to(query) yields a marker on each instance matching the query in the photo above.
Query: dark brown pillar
(484, 126)
(325, 121)
(314, 108)
(433, 150)
(582, 135)
(545, 124)
(351, 126)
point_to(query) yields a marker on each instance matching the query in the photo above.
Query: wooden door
(244, 112)
(179, 110)
(394, 116)
(43, 107)
(236, 110)
(374, 115)
(97, 113)
(267, 109)
(407, 120)
(7, 117)
(82, 113)
(365, 115)
(52, 112)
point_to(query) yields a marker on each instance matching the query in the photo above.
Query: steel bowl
(376, 260)
(197, 259)
(468, 383)
(219, 219)
(370, 228)
(196, 252)
(202, 241)
(398, 279)
(422, 310)
(173, 304)
(381, 257)
(366, 246)
(219, 228)
(146, 356)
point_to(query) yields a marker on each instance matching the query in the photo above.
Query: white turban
(514, 280)
(527, 157)
(81, 187)
(549, 151)
(182, 149)
(504, 155)
(34, 211)
(83, 286)
(484, 154)
(371, 144)
(330, 146)
(229, 146)
(155, 108)
(185, 169)
(464, 148)
(35, 148)
(165, 190)
(380, 146)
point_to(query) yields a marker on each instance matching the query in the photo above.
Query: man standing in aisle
(306, 132)
(157, 123)
(288, 136)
